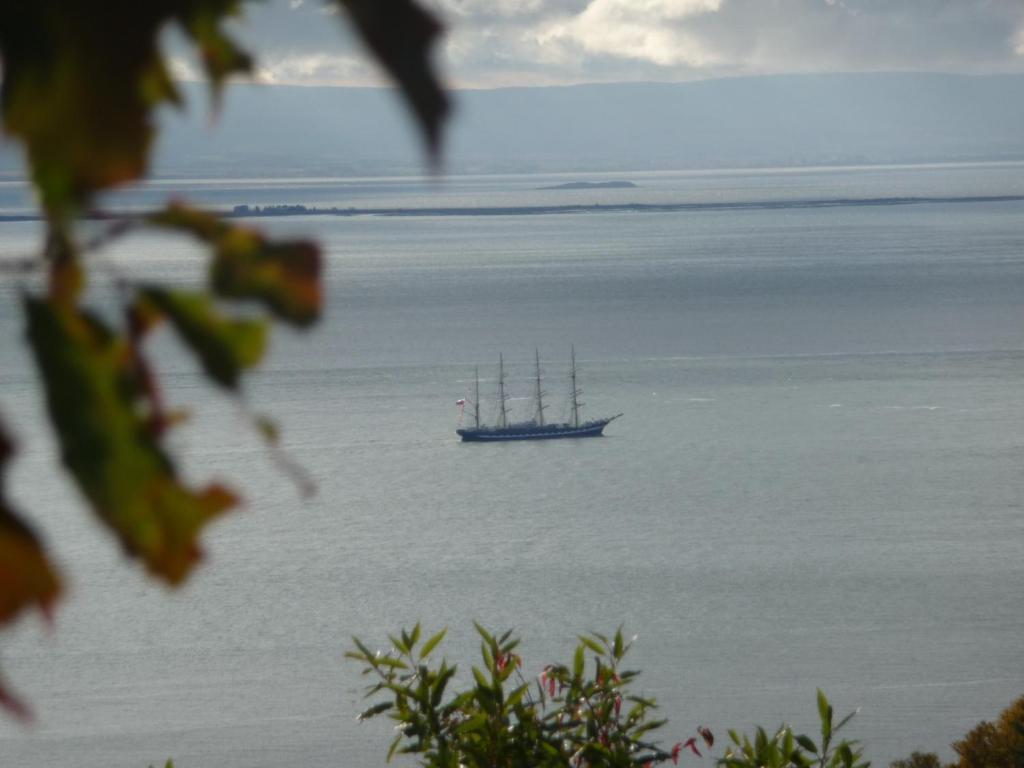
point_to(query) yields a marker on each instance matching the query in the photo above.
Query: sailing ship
(536, 428)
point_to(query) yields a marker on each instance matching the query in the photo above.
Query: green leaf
(474, 723)
(517, 695)
(481, 680)
(807, 743)
(845, 754)
(106, 445)
(224, 346)
(487, 636)
(845, 720)
(394, 745)
(823, 707)
(399, 643)
(577, 663)
(376, 709)
(440, 684)
(400, 34)
(432, 643)
(592, 645)
(283, 276)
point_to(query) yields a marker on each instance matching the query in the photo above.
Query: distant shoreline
(592, 185)
(282, 211)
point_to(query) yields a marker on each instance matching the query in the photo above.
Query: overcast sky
(543, 42)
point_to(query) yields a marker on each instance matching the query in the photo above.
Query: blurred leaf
(845, 720)
(845, 754)
(807, 743)
(825, 713)
(106, 446)
(487, 636)
(400, 34)
(284, 276)
(376, 709)
(26, 577)
(223, 345)
(517, 695)
(394, 745)
(481, 681)
(268, 429)
(98, 69)
(220, 55)
(66, 64)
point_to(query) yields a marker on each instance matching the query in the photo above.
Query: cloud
(648, 30)
(535, 42)
(317, 68)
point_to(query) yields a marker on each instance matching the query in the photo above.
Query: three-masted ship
(536, 428)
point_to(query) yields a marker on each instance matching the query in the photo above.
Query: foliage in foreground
(784, 749)
(82, 82)
(578, 714)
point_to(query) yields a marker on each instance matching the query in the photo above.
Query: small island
(594, 185)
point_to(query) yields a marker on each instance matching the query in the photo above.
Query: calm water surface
(817, 481)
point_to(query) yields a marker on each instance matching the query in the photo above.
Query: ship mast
(502, 397)
(576, 392)
(540, 393)
(476, 398)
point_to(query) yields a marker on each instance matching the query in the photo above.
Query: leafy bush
(785, 750)
(995, 745)
(918, 760)
(562, 717)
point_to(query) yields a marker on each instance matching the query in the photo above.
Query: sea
(816, 483)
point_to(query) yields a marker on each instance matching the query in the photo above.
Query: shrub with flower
(562, 718)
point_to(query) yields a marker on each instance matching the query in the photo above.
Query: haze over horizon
(500, 43)
(613, 85)
(763, 121)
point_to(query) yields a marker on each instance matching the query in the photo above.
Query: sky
(496, 43)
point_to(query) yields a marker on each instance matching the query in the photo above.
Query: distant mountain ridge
(778, 120)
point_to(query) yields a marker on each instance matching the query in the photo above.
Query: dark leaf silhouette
(70, 63)
(400, 34)
(284, 276)
(106, 445)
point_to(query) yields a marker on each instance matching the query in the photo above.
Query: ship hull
(532, 432)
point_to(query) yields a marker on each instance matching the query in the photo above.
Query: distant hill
(784, 120)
